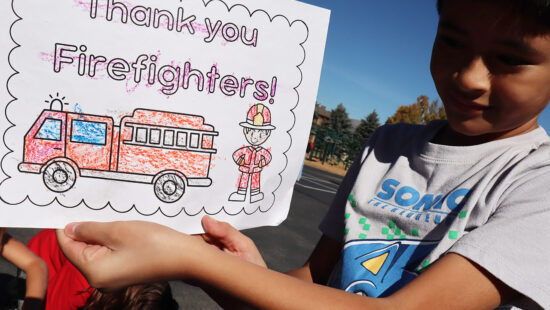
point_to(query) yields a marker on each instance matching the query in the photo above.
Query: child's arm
(317, 269)
(228, 239)
(37, 272)
(321, 262)
(106, 254)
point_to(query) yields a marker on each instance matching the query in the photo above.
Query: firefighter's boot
(238, 196)
(256, 197)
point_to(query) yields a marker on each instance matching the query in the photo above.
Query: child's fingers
(221, 231)
(94, 232)
(213, 227)
(225, 234)
(72, 249)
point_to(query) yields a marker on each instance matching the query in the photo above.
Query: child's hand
(118, 254)
(226, 238)
(230, 240)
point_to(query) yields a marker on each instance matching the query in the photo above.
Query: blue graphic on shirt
(409, 202)
(377, 268)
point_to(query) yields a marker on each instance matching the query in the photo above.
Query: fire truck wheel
(169, 187)
(59, 177)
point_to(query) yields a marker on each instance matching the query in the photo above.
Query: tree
(367, 126)
(315, 113)
(339, 120)
(435, 112)
(420, 112)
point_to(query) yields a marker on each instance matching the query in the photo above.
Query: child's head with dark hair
(535, 10)
(154, 296)
(491, 67)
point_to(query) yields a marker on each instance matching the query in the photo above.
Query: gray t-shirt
(406, 202)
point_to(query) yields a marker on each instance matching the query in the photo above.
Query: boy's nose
(474, 77)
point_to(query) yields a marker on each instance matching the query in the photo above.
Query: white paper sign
(155, 110)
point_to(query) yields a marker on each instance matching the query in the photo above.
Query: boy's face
(256, 136)
(493, 78)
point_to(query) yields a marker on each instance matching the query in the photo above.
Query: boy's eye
(512, 60)
(450, 41)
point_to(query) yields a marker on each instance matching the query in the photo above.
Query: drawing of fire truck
(168, 150)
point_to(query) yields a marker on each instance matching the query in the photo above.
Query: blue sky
(378, 55)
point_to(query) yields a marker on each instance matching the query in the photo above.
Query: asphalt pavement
(284, 247)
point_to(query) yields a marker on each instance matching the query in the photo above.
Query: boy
(448, 215)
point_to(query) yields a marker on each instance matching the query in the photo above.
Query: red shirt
(67, 287)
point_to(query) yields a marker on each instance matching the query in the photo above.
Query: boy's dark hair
(533, 10)
(154, 296)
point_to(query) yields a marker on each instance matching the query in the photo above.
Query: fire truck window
(155, 136)
(207, 141)
(50, 130)
(89, 132)
(169, 137)
(182, 139)
(141, 135)
(194, 141)
(127, 133)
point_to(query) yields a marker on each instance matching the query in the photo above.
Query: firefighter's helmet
(258, 117)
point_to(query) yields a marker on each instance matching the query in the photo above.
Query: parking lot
(284, 247)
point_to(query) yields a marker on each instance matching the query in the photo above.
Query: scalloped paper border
(159, 209)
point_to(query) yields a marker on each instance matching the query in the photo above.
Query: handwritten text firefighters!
(170, 77)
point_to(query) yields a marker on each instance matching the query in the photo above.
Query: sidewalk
(317, 164)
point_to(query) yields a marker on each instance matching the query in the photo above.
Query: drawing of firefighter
(253, 158)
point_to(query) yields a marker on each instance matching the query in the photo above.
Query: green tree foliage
(315, 112)
(420, 112)
(367, 126)
(339, 120)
